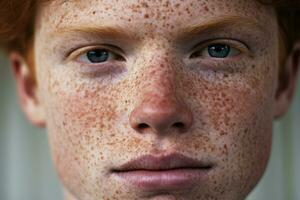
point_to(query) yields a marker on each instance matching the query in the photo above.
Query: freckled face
(123, 79)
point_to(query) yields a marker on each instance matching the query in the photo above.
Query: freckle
(94, 12)
(144, 4)
(206, 8)
(223, 133)
(253, 66)
(225, 146)
(146, 16)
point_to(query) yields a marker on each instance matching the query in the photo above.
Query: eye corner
(195, 54)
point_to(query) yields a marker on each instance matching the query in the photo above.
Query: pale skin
(159, 74)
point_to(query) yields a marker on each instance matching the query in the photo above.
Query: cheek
(244, 137)
(242, 124)
(80, 123)
(236, 116)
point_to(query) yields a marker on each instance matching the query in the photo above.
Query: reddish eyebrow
(114, 32)
(219, 24)
(121, 33)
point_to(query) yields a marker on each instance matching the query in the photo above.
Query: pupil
(218, 50)
(96, 56)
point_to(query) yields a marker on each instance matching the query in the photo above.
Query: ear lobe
(27, 90)
(287, 82)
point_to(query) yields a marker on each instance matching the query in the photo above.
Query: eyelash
(115, 52)
(109, 55)
(231, 43)
(78, 54)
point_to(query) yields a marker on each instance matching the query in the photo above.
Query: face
(157, 99)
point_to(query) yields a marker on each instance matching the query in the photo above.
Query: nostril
(179, 125)
(143, 126)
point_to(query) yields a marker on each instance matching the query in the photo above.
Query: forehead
(144, 15)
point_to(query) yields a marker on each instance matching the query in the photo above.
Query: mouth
(170, 172)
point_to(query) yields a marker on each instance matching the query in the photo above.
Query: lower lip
(164, 179)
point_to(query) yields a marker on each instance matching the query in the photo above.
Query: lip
(167, 172)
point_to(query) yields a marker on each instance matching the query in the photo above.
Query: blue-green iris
(218, 50)
(97, 55)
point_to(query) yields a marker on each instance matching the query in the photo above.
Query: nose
(160, 110)
(160, 115)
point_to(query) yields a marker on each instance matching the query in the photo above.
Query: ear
(27, 90)
(287, 82)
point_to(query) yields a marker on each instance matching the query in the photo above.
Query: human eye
(97, 61)
(98, 56)
(219, 50)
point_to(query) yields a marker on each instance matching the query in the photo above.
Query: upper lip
(164, 162)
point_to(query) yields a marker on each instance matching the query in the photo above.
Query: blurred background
(26, 170)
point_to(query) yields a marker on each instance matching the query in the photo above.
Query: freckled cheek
(232, 106)
(84, 107)
(80, 124)
(245, 120)
(89, 117)
(240, 120)
(235, 106)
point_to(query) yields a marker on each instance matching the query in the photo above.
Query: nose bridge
(160, 109)
(161, 76)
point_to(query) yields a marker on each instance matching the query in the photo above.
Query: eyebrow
(117, 32)
(112, 32)
(220, 24)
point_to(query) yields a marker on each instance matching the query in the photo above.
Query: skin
(93, 111)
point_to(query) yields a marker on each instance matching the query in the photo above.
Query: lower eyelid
(101, 69)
